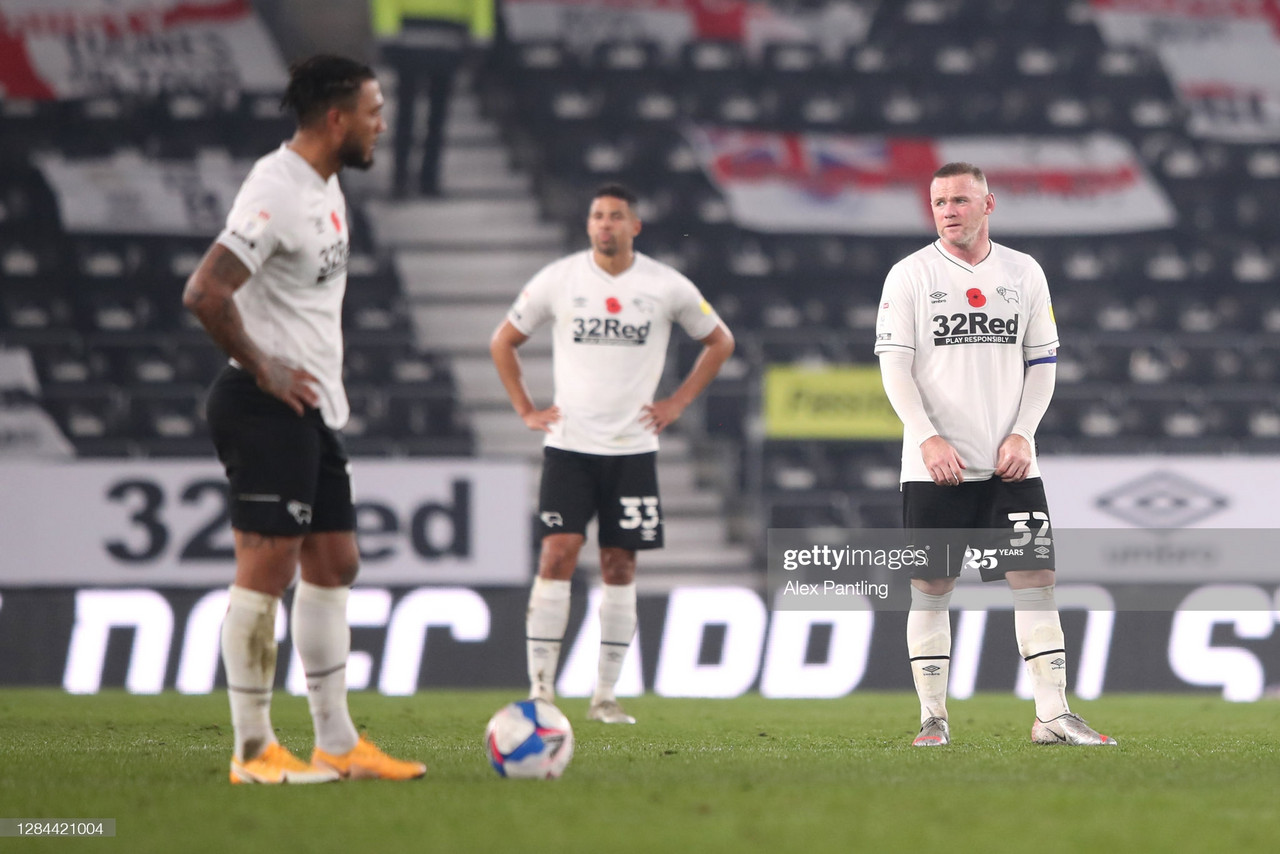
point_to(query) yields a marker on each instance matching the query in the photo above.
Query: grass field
(1190, 774)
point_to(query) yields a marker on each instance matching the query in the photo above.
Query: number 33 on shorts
(640, 511)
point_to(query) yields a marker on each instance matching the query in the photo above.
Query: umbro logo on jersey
(552, 519)
(611, 330)
(931, 670)
(938, 296)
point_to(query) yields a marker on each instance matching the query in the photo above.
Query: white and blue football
(530, 739)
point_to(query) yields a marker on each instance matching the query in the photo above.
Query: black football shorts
(289, 474)
(620, 491)
(1010, 524)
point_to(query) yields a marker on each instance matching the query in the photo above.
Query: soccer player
(967, 345)
(611, 309)
(269, 292)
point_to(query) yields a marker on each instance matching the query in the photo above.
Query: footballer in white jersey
(289, 227)
(972, 330)
(609, 344)
(269, 293)
(611, 310)
(968, 345)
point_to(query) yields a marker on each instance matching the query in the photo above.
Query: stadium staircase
(461, 258)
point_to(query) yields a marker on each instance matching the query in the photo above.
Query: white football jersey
(609, 344)
(289, 227)
(973, 331)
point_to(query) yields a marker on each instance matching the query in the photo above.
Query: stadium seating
(122, 366)
(1165, 333)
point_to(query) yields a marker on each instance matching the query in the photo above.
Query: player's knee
(934, 586)
(347, 572)
(1026, 579)
(617, 566)
(559, 556)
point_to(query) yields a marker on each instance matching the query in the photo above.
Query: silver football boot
(934, 732)
(609, 712)
(1067, 729)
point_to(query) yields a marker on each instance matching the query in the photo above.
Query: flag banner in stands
(126, 193)
(671, 24)
(62, 49)
(877, 185)
(1221, 56)
(167, 522)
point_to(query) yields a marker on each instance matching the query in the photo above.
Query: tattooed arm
(209, 296)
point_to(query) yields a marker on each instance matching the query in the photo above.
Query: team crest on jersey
(1009, 294)
(251, 228)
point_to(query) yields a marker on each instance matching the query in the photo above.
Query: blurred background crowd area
(781, 151)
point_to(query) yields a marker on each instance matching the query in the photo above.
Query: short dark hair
(323, 81)
(615, 191)
(959, 167)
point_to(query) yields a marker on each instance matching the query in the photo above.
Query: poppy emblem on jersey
(612, 305)
(976, 298)
(337, 223)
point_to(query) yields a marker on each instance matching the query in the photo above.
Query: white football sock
(1043, 648)
(929, 645)
(249, 658)
(322, 637)
(545, 625)
(617, 628)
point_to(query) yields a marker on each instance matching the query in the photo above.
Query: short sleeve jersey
(609, 344)
(972, 331)
(289, 227)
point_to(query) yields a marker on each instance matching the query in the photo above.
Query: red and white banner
(63, 49)
(674, 23)
(128, 194)
(817, 182)
(1222, 57)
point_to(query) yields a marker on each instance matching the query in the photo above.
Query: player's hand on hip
(1013, 461)
(660, 414)
(295, 386)
(542, 419)
(942, 462)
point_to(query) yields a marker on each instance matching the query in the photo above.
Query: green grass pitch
(1191, 773)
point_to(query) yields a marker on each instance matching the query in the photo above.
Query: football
(529, 739)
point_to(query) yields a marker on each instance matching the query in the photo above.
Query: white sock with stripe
(617, 628)
(545, 625)
(249, 658)
(322, 636)
(1043, 647)
(929, 645)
